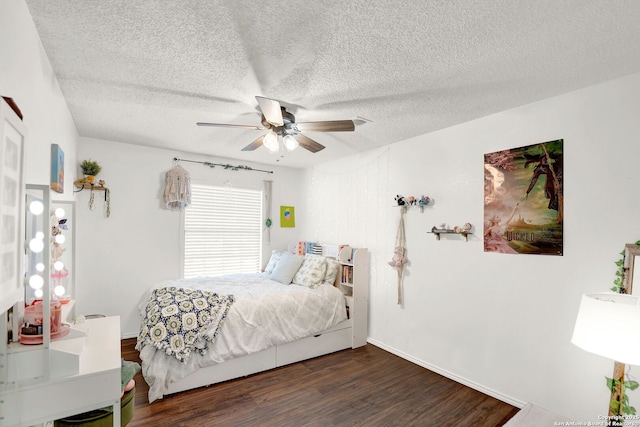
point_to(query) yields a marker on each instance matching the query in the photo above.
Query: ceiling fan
(282, 126)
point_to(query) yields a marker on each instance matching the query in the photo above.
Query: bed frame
(351, 333)
(332, 340)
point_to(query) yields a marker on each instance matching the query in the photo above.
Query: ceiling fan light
(271, 142)
(290, 143)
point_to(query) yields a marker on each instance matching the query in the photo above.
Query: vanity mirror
(36, 243)
(62, 217)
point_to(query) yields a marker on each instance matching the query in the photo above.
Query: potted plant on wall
(90, 168)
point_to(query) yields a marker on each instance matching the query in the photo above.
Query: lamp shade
(290, 142)
(608, 325)
(270, 141)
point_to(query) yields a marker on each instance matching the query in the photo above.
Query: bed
(292, 311)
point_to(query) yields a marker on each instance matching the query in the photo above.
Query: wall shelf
(410, 207)
(439, 231)
(83, 185)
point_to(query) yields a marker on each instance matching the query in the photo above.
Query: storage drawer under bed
(317, 345)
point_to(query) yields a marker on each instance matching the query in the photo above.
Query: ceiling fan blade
(326, 126)
(228, 125)
(255, 144)
(308, 143)
(270, 110)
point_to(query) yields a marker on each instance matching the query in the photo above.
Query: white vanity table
(96, 385)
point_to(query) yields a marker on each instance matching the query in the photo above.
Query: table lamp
(608, 324)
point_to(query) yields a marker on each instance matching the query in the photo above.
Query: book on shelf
(347, 274)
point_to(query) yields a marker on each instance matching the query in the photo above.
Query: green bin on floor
(102, 417)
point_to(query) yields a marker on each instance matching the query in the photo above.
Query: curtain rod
(227, 166)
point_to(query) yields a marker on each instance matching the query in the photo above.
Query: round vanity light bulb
(36, 207)
(36, 245)
(40, 235)
(59, 213)
(38, 293)
(40, 267)
(58, 265)
(59, 239)
(36, 281)
(58, 290)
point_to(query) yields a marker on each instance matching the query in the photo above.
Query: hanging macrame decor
(267, 209)
(177, 188)
(399, 259)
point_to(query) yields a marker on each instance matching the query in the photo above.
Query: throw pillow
(312, 271)
(286, 268)
(275, 257)
(333, 267)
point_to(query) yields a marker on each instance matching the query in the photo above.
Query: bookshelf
(354, 284)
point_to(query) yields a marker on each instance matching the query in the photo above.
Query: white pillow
(275, 257)
(286, 268)
(311, 272)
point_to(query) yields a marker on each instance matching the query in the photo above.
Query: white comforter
(265, 313)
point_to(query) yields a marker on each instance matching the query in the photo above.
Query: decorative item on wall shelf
(411, 201)
(90, 168)
(443, 228)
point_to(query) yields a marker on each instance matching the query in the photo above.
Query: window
(222, 231)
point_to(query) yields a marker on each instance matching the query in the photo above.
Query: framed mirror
(631, 250)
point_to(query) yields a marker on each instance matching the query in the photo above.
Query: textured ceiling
(144, 72)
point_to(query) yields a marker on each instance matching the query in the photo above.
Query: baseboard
(126, 336)
(482, 389)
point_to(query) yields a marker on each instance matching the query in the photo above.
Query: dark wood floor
(363, 387)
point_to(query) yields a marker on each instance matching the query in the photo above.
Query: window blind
(222, 231)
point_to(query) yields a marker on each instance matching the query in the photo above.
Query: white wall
(27, 77)
(501, 323)
(140, 244)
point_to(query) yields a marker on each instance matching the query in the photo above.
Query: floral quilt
(180, 321)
